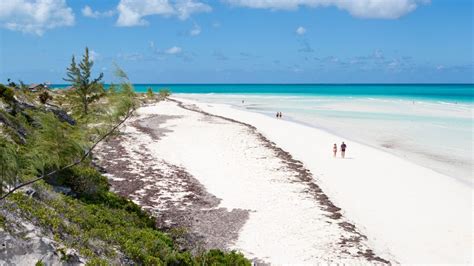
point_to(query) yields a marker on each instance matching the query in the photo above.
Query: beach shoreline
(370, 121)
(374, 212)
(315, 232)
(415, 213)
(388, 148)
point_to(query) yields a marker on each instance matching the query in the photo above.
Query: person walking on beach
(343, 149)
(334, 149)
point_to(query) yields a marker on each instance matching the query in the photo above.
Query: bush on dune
(96, 229)
(7, 93)
(149, 93)
(44, 97)
(164, 93)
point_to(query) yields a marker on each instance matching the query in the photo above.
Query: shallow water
(430, 132)
(429, 124)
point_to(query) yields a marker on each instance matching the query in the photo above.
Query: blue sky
(241, 41)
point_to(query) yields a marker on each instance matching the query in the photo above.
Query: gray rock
(22, 243)
(60, 114)
(64, 190)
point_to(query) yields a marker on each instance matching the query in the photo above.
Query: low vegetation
(111, 229)
(149, 93)
(45, 149)
(164, 93)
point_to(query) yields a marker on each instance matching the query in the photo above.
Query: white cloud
(300, 30)
(174, 50)
(385, 9)
(196, 30)
(35, 16)
(132, 12)
(184, 8)
(88, 12)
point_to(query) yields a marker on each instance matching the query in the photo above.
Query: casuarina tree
(86, 88)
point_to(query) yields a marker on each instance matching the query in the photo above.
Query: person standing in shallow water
(334, 149)
(343, 149)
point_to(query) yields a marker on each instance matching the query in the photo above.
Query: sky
(241, 41)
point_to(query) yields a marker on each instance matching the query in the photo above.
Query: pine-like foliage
(124, 98)
(86, 89)
(8, 164)
(54, 143)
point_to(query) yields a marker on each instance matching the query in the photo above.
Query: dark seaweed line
(305, 177)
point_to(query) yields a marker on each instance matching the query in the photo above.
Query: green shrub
(2, 221)
(218, 257)
(44, 97)
(85, 181)
(88, 182)
(164, 93)
(40, 263)
(149, 92)
(52, 143)
(97, 262)
(176, 259)
(76, 223)
(9, 166)
(79, 224)
(7, 93)
(114, 201)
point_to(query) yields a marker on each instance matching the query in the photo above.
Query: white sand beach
(392, 210)
(414, 213)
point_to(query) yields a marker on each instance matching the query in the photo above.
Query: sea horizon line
(316, 84)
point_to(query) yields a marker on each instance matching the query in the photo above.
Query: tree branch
(127, 116)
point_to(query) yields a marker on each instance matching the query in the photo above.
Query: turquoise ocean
(428, 124)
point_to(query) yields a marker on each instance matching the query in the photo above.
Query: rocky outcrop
(9, 111)
(19, 106)
(23, 243)
(60, 114)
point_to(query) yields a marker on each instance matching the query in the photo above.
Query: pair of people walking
(343, 149)
(278, 115)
